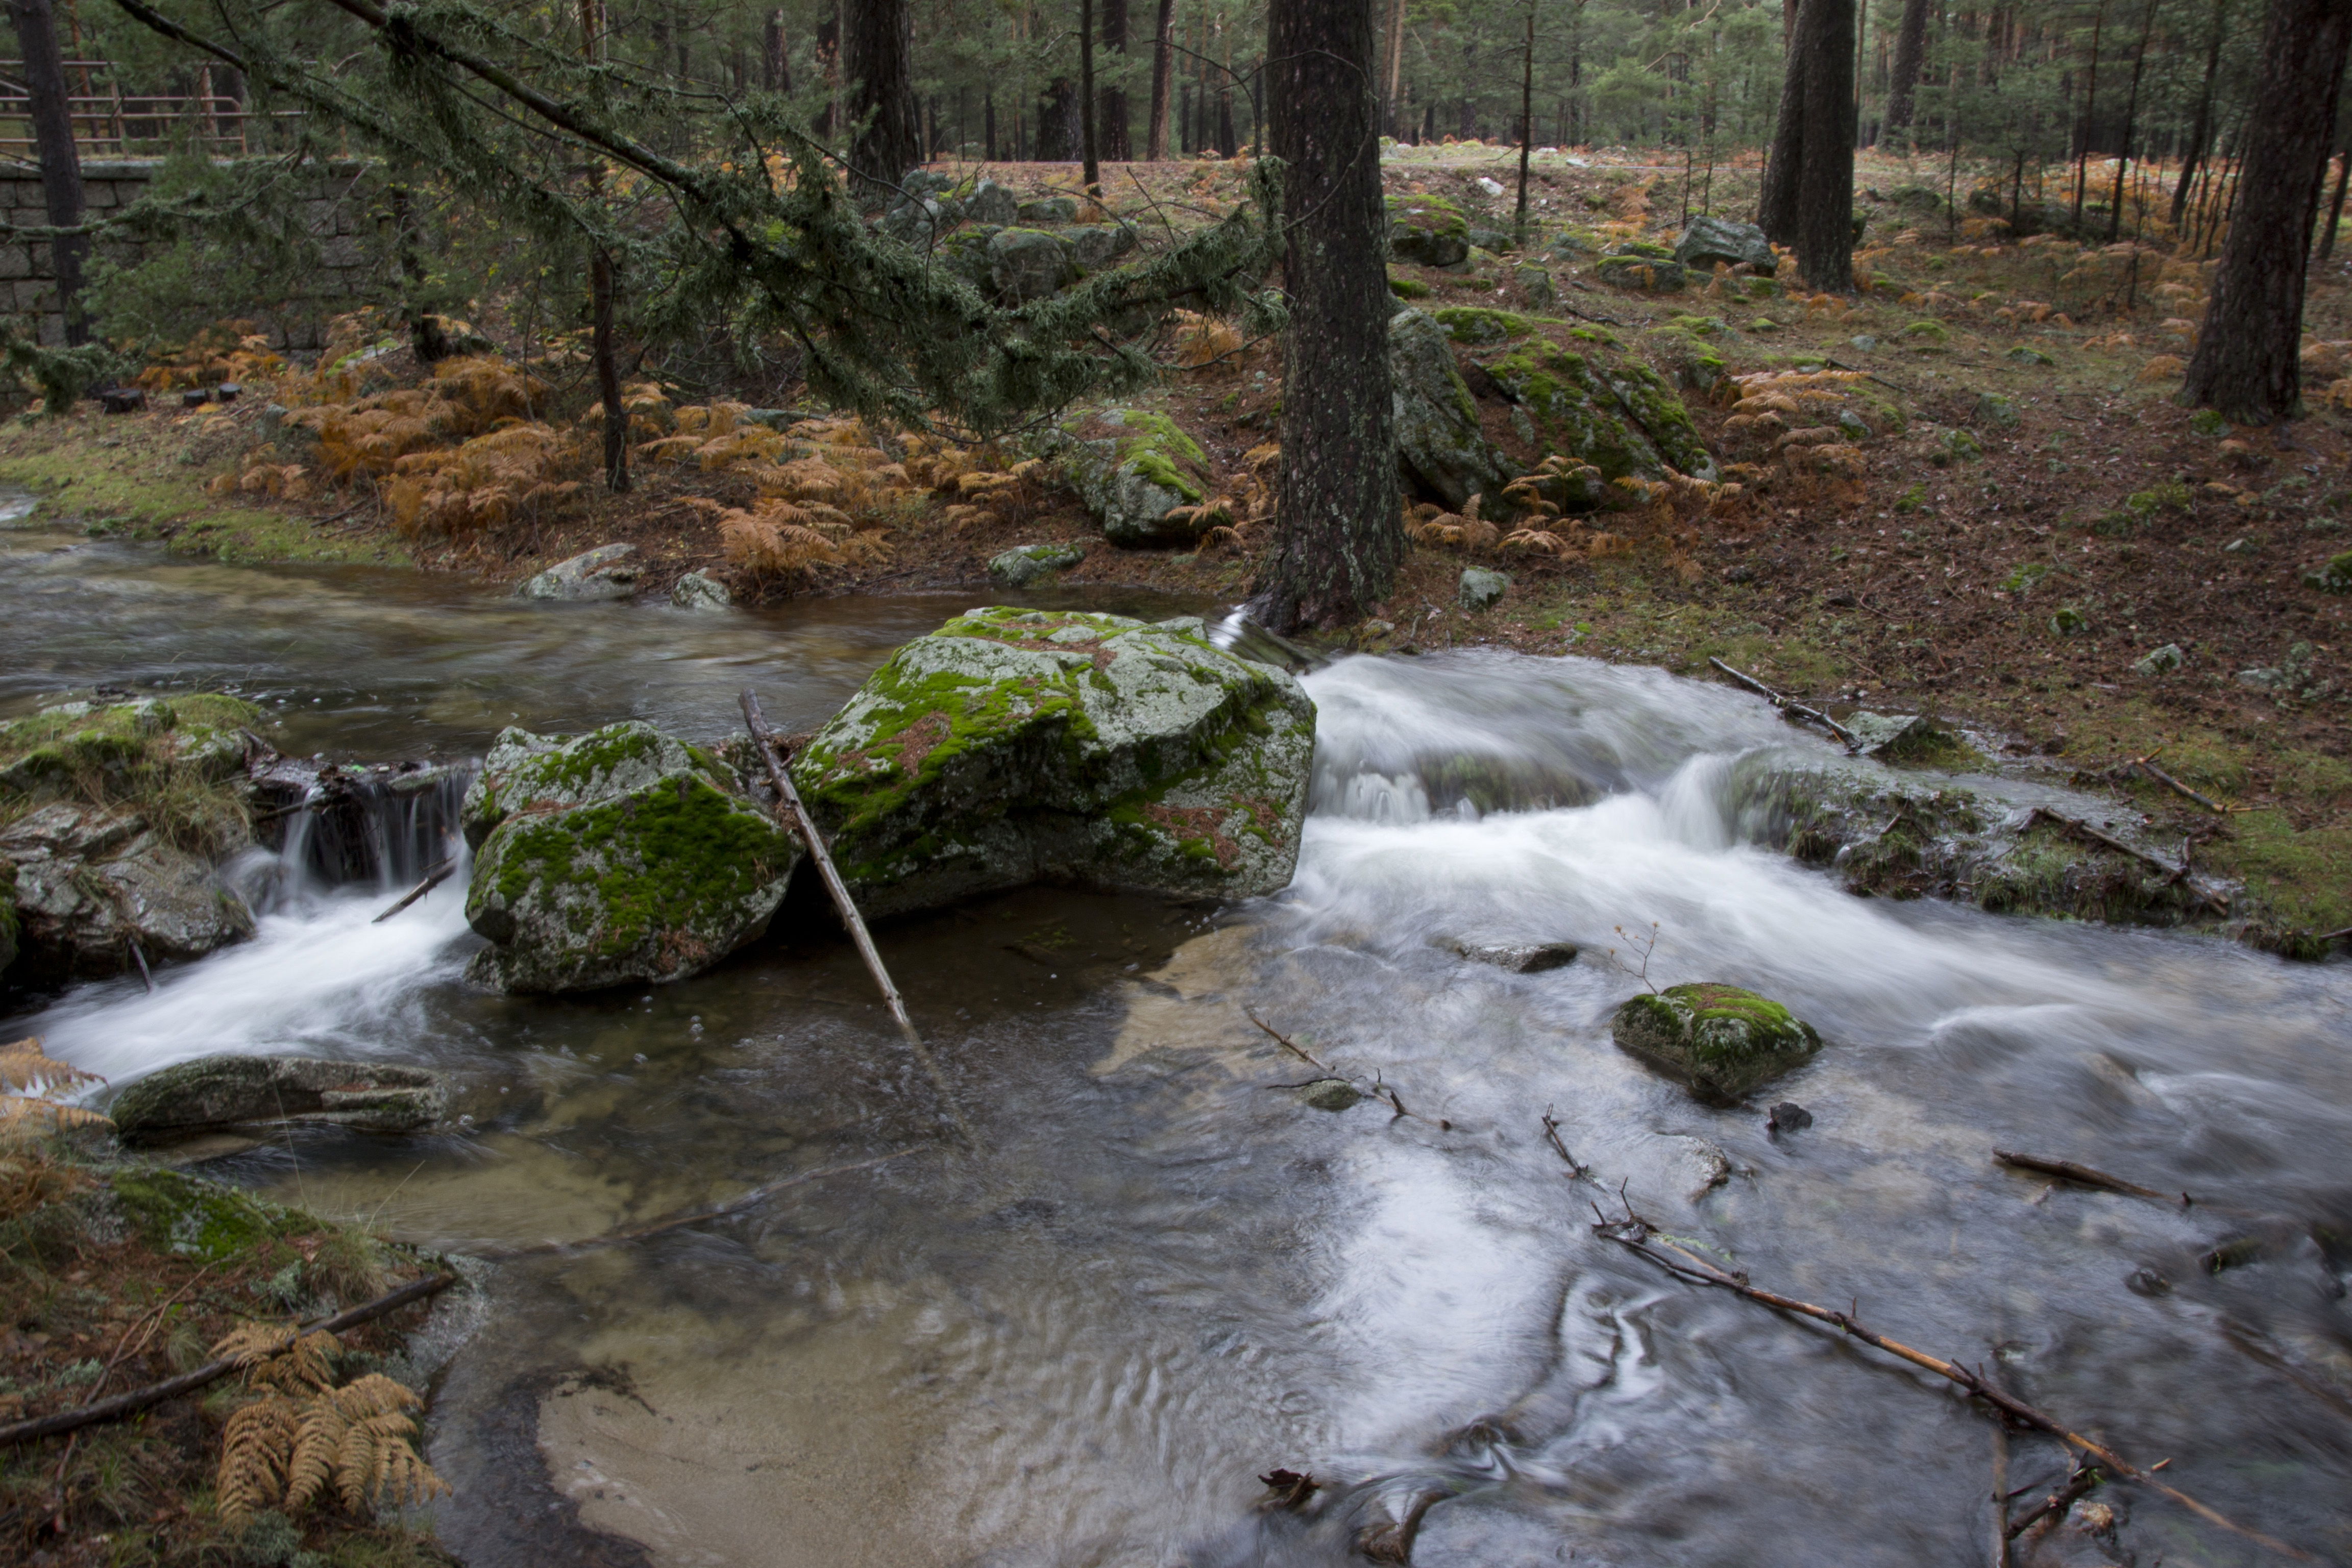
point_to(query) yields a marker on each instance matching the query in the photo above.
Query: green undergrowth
(178, 764)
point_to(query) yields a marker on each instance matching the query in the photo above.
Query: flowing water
(1164, 1275)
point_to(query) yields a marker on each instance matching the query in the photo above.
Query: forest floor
(2030, 518)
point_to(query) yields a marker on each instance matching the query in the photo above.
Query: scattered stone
(2268, 679)
(1865, 342)
(1097, 245)
(1718, 1041)
(1429, 231)
(992, 204)
(2167, 658)
(1712, 240)
(1441, 448)
(1047, 209)
(1536, 283)
(620, 855)
(1481, 587)
(1996, 410)
(1029, 264)
(1739, 575)
(1644, 274)
(1014, 746)
(2069, 622)
(1903, 737)
(1519, 958)
(700, 591)
(1595, 402)
(603, 573)
(2334, 576)
(1132, 478)
(214, 1094)
(1788, 1117)
(2240, 547)
(1957, 444)
(1331, 1094)
(2024, 356)
(1853, 425)
(1027, 564)
(1494, 241)
(1489, 187)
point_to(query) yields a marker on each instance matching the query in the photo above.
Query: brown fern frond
(256, 1448)
(24, 1067)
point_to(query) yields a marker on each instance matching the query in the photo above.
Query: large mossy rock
(1710, 241)
(1133, 469)
(1597, 404)
(1012, 746)
(1026, 263)
(1718, 1041)
(1441, 450)
(1428, 230)
(214, 1093)
(617, 856)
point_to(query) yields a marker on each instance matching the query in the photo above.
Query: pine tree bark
(2200, 134)
(877, 47)
(1392, 78)
(1089, 155)
(1341, 538)
(1825, 226)
(52, 116)
(2247, 363)
(775, 60)
(1902, 81)
(1163, 48)
(1113, 140)
(1776, 207)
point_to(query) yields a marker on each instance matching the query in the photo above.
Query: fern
(36, 1083)
(305, 1438)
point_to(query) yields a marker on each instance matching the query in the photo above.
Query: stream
(1164, 1275)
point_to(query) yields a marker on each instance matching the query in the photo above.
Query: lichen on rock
(621, 855)
(1718, 1041)
(1014, 746)
(1600, 406)
(1133, 469)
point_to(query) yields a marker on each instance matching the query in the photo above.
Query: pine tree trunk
(2131, 118)
(1825, 177)
(2090, 108)
(1163, 48)
(1341, 537)
(2201, 136)
(1112, 138)
(1057, 123)
(1910, 50)
(2336, 211)
(1091, 162)
(1392, 78)
(52, 116)
(2246, 364)
(775, 60)
(881, 84)
(1776, 207)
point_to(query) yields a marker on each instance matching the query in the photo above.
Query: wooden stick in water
(2087, 1176)
(1787, 706)
(795, 816)
(432, 878)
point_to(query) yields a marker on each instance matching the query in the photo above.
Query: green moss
(1163, 434)
(1156, 468)
(1434, 213)
(179, 1212)
(1476, 324)
(1931, 332)
(1719, 1040)
(1410, 289)
(176, 761)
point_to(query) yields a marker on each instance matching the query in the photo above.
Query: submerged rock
(620, 855)
(603, 573)
(1014, 746)
(1718, 1041)
(1027, 564)
(1519, 958)
(1332, 1094)
(216, 1094)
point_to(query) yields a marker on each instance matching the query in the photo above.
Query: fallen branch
(696, 1217)
(1789, 706)
(2173, 874)
(432, 878)
(796, 818)
(2084, 1478)
(1576, 1169)
(139, 1399)
(1637, 1234)
(2147, 765)
(2087, 1176)
(1283, 1041)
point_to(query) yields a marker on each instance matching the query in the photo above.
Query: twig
(2334, 935)
(1787, 706)
(678, 1222)
(2087, 1176)
(432, 878)
(2173, 874)
(139, 1399)
(1857, 370)
(1552, 1135)
(2146, 765)
(795, 816)
(1636, 1234)
(2084, 1478)
(1283, 1041)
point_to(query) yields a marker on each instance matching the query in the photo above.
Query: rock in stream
(1718, 1041)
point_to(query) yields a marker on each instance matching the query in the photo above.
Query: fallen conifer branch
(2087, 1177)
(797, 819)
(1789, 706)
(139, 1399)
(696, 1217)
(1639, 1236)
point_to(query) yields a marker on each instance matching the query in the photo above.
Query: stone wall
(338, 209)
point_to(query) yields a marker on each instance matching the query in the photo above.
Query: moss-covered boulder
(1441, 450)
(616, 856)
(214, 1093)
(1718, 1041)
(1597, 404)
(1428, 230)
(1133, 469)
(1014, 746)
(1026, 263)
(1643, 274)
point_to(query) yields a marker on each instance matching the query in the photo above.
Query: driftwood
(1637, 1234)
(2084, 1478)
(2178, 875)
(796, 817)
(139, 1399)
(1789, 706)
(432, 878)
(696, 1217)
(2087, 1177)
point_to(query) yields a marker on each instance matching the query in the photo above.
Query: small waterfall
(383, 827)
